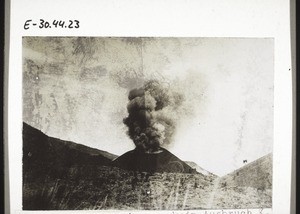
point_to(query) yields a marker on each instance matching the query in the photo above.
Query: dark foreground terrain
(61, 175)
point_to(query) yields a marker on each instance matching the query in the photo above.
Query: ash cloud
(152, 115)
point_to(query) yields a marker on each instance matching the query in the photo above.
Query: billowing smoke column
(152, 115)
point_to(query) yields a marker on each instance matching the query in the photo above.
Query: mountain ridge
(44, 155)
(74, 145)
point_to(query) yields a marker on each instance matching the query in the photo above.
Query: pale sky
(76, 89)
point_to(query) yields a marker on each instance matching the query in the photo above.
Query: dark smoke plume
(152, 115)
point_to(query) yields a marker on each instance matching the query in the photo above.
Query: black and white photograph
(147, 123)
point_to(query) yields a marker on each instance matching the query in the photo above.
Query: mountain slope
(257, 174)
(199, 169)
(249, 186)
(43, 154)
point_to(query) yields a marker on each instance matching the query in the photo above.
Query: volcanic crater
(159, 161)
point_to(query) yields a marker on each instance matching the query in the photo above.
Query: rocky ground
(112, 188)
